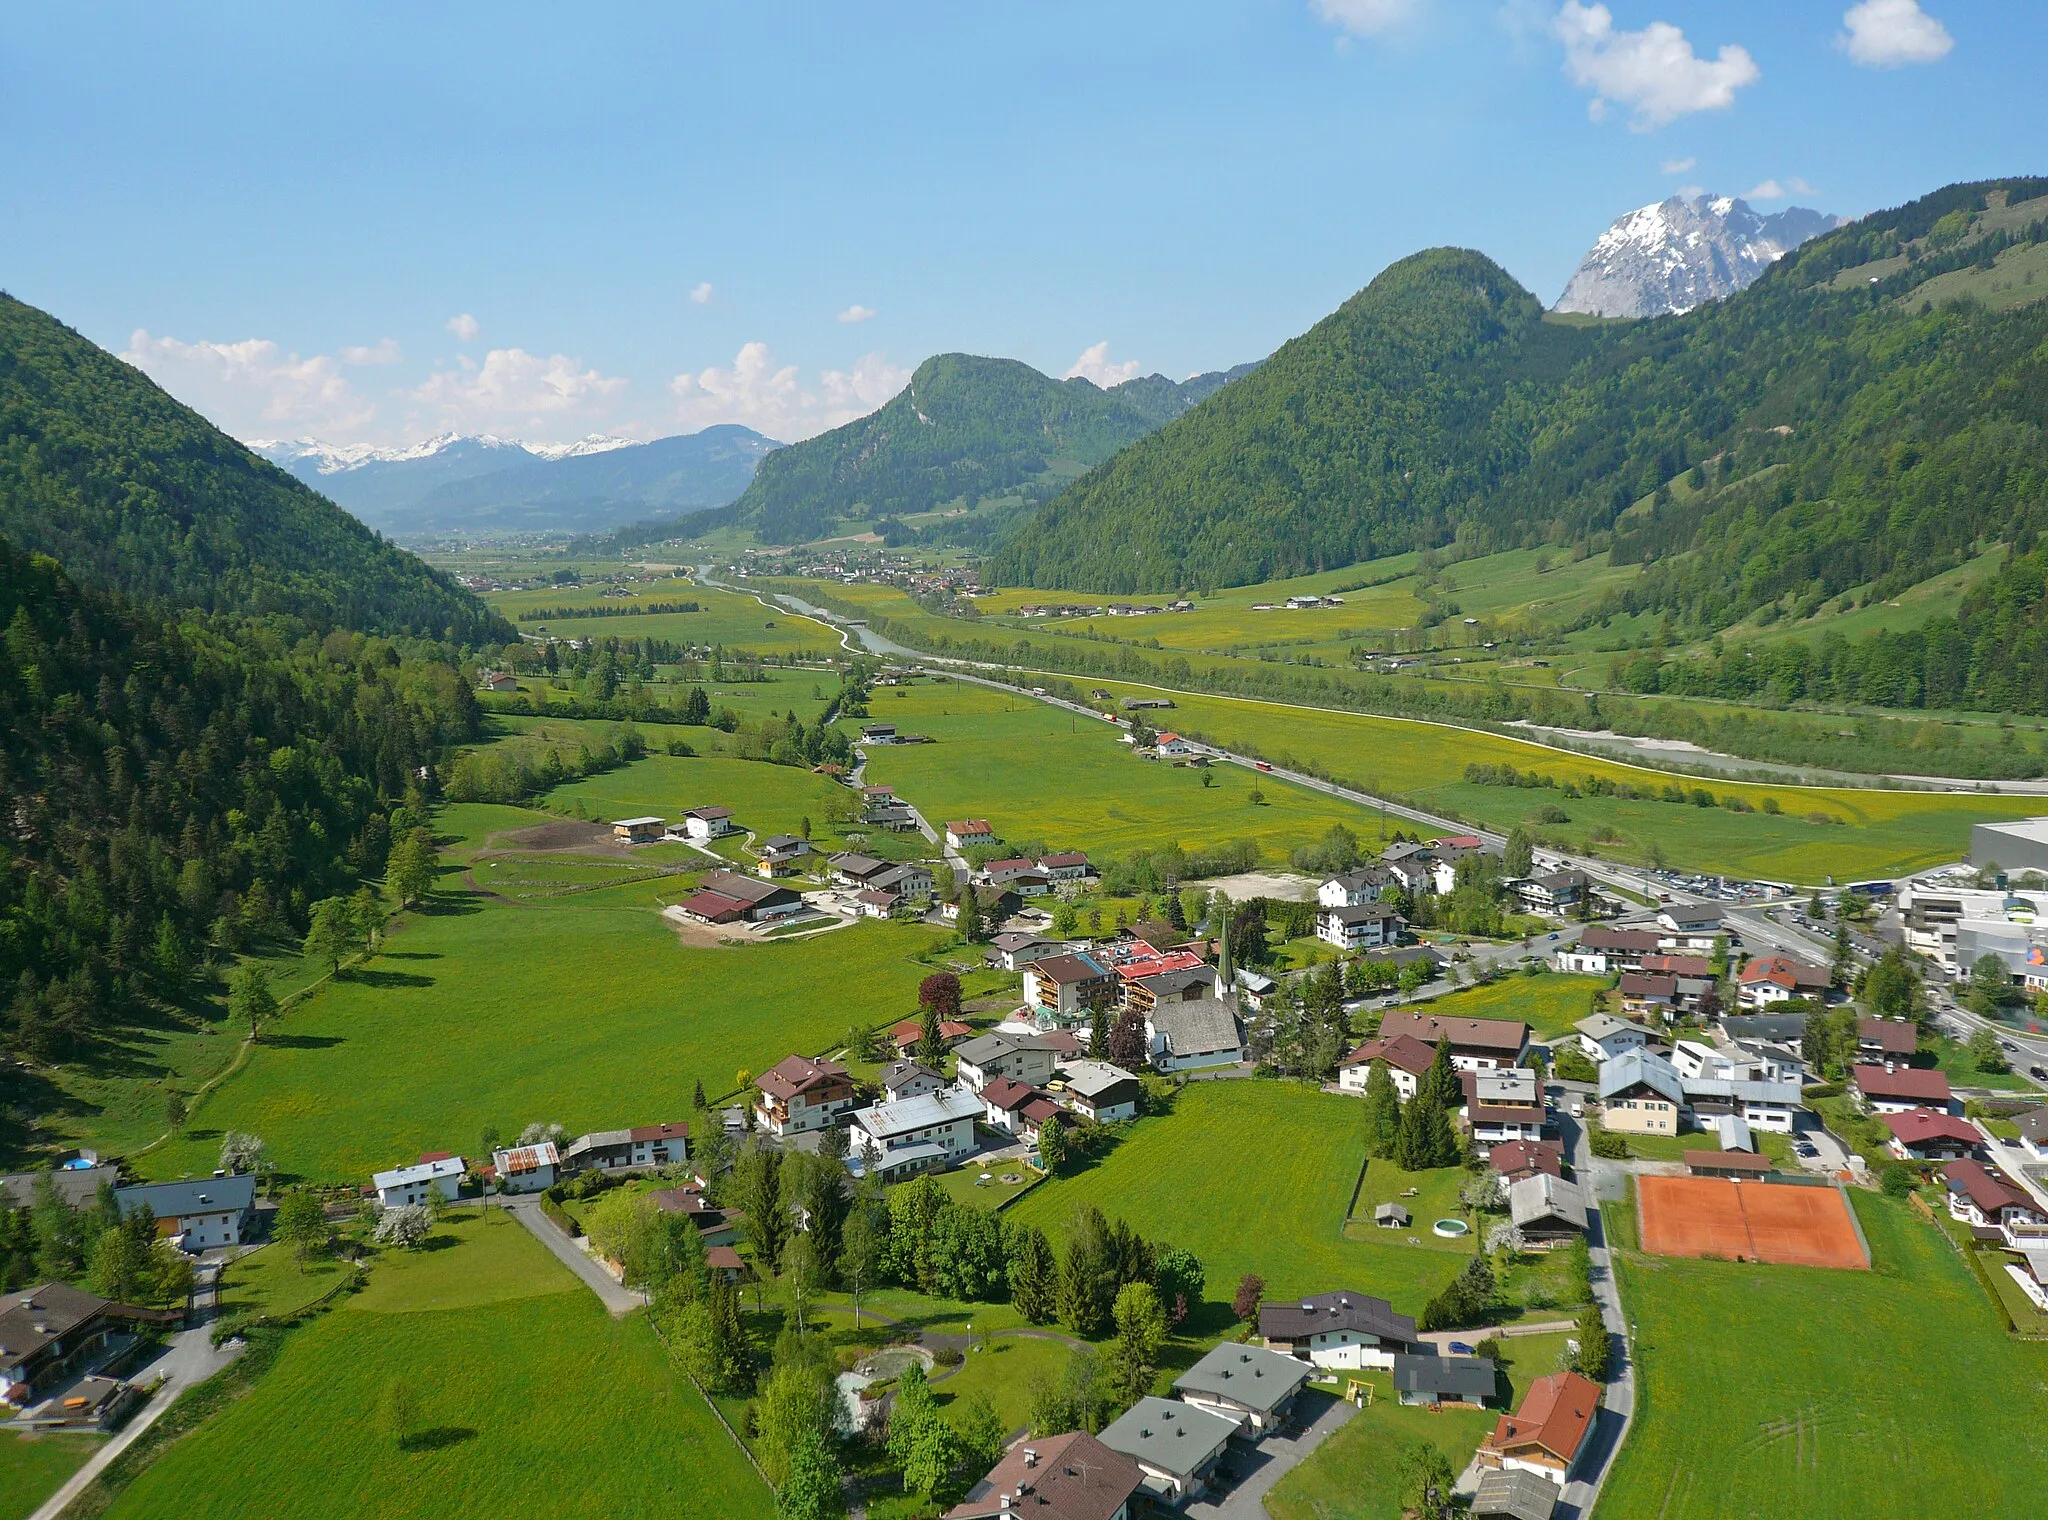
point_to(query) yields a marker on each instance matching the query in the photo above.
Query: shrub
(1606, 1144)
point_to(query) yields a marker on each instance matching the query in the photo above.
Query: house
(853, 869)
(2033, 1128)
(1254, 987)
(1003, 1099)
(609, 1150)
(48, 1333)
(919, 1134)
(1407, 1059)
(1443, 868)
(1509, 1493)
(1187, 1036)
(969, 833)
(1762, 1102)
(715, 1227)
(877, 794)
(637, 830)
(1781, 1031)
(1689, 921)
(1646, 994)
(406, 1185)
(1400, 957)
(1991, 1204)
(1436, 1380)
(1894, 1089)
(527, 1168)
(1066, 865)
(1098, 1091)
(1739, 1165)
(1176, 1445)
(1009, 872)
(1354, 889)
(1391, 1216)
(1064, 1477)
(1362, 928)
(196, 1216)
(1003, 1053)
(908, 1079)
(1546, 1435)
(1185, 984)
(727, 897)
(1733, 1132)
(1772, 979)
(780, 852)
(1517, 1159)
(1416, 874)
(1338, 1329)
(1248, 1384)
(878, 733)
(1554, 891)
(893, 816)
(1882, 1042)
(1684, 967)
(910, 879)
(77, 1186)
(1501, 1106)
(497, 680)
(1641, 1094)
(871, 904)
(1171, 746)
(1602, 951)
(907, 1034)
(659, 1144)
(1546, 1210)
(1476, 1044)
(1603, 1037)
(1064, 988)
(723, 1261)
(798, 1094)
(1016, 949)
(708, 823)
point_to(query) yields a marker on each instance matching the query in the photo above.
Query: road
(1618, 1404)
(620, 1301)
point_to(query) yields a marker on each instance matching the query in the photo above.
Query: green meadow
(34, 1467)
(532, 1401)
(1771, 1391)
(738, 622)
(1549, 1002)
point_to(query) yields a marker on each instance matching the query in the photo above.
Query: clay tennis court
(1775, 1222)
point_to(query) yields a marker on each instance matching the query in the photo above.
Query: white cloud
(517, 392)
(1680, 165)
(254, 389)
(702, 294)
(1777, 190)
(857, 313)
(1096, 365)
(464, 327)
(1888, 34)
(383, 351)
(1364, 18)
(1654, 72)
(771, 398)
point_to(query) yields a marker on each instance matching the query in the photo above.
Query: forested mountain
(132, 491)
(964, 429)
(1865, 412)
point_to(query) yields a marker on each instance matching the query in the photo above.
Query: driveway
(1618, 1403)
(1275, 1457)
(621, 1301)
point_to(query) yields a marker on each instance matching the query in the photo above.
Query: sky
(371, 224)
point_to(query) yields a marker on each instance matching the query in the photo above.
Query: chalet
(1400, 957)
(780, 853)
(1176, 1445)
(1501, 1106)
(1254, 987)
(1526, 1158)
(1407, 1059)
(1188, 1036)
(726, 1262)
(1894, 1089)
(1512, 1494)
(1648, 995)
(1063, 988)
(877, 794)
(2033, 1128)
(1362, 928)
(1015, 950)
(1016, 869)
(497, 680)
(49, 1333)
(76, 1186)
(894, 816)
(611, 1150)
(1445, 859)
(996, 904)
(1690, 920)
(1883, 1042)
(715, 1226)
(928, 1132)
(708, 823)
(969, 833)
(1067, 865)
(527, 1168)
(909, 879)
(1641, 1094)
(1992, 1206)
(1003, 1053)
(637, 830)
(1770, 979)
(852, 869)
(726, 897)
(405, 1185)
(1170, 746)
(798, 1094)
(878, 733)
(907, 1034)
(1415, 873)
(1098, 1091)
(1785, 1032)
(1433, 1381)
(1476, 1044)
(1248, 1384)
(1602, 951)
(871, 903)
(1003, 1098)
(1603, 1037)
(1769, 1102)
(1063, 1477)
(908, 1079)
(1338, 1329)
(1182, 985)
(1546, 1210)
(1684, 967)
(1354, 889)
(1546, 1435)
(1554, 891)
(201, 1215)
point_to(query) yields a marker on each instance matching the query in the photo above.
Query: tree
(1426, 1139)
(1140, 1332)
(863, 1243)
(1441, 1080)
(1052, 1144)
(921, 1443)
(811, 1482)
(970, 914)
(120, 1265)
(1985, 1051)
(1382, 1111)
(406, 1226)
(1989, 989)
(1519, 857)
(727, 1353)
(1893, 987)
(371, 916)
(1098, 1030)
(1590, 1360)
(757, 1179)
(241, 1152)
(1066, 920)
(980, 1432)
(1179, 1276)
(1572, 1064)
(1088, 1276)
(176, 1111)
(1251, 1292)
(302, 1224)
(398, 1412)
(1485, 1193)
(1127, 1040)
(410, 869)
(250, 999)
(1034, 1276)
(1426, 1482)
(332, 934)
(795, 1402)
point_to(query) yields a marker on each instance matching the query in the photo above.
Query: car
(1459, 1348)
(1803, 1148)
(2038, 1073)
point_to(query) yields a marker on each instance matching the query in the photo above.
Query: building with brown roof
(1735, 1164)
(1546, 1435)
(1338, 1329)
(1991, 1204)
(1517, 1159)
(1065, 1477)
(1476, 1044)
(48, 1333)
(1882, 1040)
(799, 1094)
(1066, 987)
(1407, 1059)
(1921, 1134)
(1894, 1089)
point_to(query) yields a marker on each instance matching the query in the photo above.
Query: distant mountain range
(1674, 255)
(492, 486)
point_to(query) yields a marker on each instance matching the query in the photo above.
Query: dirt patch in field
(561, 835)
(702, 936)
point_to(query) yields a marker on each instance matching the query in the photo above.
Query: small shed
(1391, 1216)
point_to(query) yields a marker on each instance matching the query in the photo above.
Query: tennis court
(1776, 1222)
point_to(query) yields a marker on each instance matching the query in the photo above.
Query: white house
(1602, 1036)
(1365, 927)
(200, 1215)
(915, 1134)
(1354, 889)
(527, 1168)
(1407, 1059)
(1501, 1106)
(1098, 1091)
(1022, 1058)
(1192, 1034)
(1174, 747)
(405, 1185)
(707, 823)
(1339, 1329)
(969, 833)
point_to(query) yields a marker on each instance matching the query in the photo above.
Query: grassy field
(738, 622)
(1252, 1177)
(34, 1467)
(1773, 1391)
(1673, 1147)
(1549, 1002)
(269, 1283)
(535, 1402)
(1003, 1367)
(1040, 773)
(1436, 1197)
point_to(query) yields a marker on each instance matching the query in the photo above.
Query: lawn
(584, 1010)
(1042, 773)
(965, 1185)
(534, 1399)
(269, 1283)
(1770, 1391)
(1252, 1176)
(1003, 1367)
(1673, 1147)
(1356, 1473)
(768, 799)
(1436, 1197)
(34, 1467)
(737, 622)
(1549, 1002)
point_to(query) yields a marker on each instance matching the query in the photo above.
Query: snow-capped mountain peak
(1671, 256)
(336, 458)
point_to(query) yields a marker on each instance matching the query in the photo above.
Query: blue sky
(373, 223)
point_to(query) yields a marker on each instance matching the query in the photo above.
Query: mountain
(487, 485)
(1672, 256)
(132, 491)
(966, 429)
(1862, 415)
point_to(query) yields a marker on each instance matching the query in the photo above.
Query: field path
(619, 1300)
